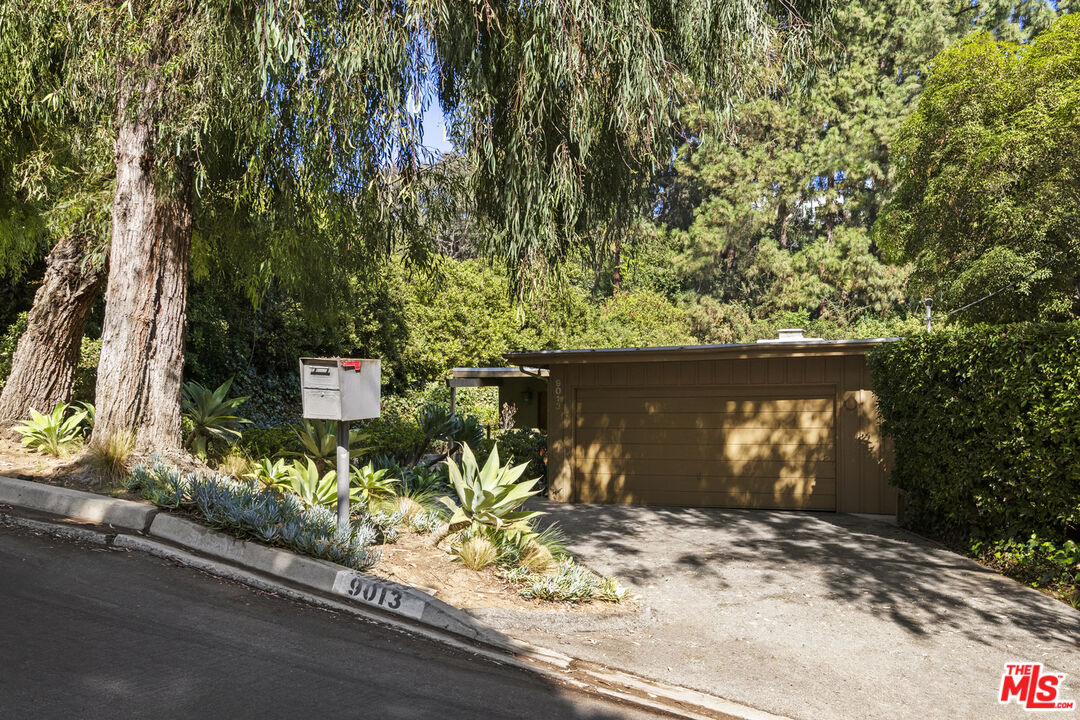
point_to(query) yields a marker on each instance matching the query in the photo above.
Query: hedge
(986, 426)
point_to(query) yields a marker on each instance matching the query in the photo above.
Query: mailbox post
(342, 390)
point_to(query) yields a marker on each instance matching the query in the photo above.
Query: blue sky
(434, 133)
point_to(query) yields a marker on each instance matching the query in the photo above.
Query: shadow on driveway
(796, 592)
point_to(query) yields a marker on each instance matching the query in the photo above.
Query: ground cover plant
(256, 513)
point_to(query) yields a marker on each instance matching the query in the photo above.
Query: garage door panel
(701, 404)
(706, 451)
(662, 482)
(788, 419)
(775, 470)
(736, 436)
(709, 447)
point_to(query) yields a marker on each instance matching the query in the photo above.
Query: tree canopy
(989, 193)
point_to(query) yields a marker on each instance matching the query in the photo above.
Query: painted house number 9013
(376, 594)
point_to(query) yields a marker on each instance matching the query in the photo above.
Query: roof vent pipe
(791, 335)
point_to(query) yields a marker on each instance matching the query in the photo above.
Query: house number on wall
(558, 394)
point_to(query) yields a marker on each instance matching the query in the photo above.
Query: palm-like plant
(369, 485)
(488, 496)
(211, 414)
(56, 433)
(318, 438)
(271, 474)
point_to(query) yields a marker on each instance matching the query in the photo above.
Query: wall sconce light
(527, 396)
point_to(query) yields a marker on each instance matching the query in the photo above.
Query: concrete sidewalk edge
(263, 567)
(75, 504)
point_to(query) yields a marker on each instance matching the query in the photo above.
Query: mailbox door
(320, 374)
(360, 388)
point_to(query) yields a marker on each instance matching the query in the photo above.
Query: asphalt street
(89, 632)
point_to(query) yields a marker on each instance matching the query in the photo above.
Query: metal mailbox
(340, 388)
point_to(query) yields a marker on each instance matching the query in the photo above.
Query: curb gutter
(313, 580)
(82, 506)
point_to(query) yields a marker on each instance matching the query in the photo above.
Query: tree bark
(47, 356)
(142, 350)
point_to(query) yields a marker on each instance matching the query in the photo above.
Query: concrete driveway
(812, 615)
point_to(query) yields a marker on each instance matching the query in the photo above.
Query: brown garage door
(749, 447)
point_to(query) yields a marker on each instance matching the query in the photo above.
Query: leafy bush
(210, 414)
(253, 513)
(268, 442)
(8, 342)
(318, 440)
(369, 485)
(312, 487)
(55, 434)
(986, 424)
(526, 445)
(1037, 562)
(86, 371)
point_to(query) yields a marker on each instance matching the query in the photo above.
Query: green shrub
(8, 342)
(1036, 562)
(525, 445)
(488, 496)
(86, 372)
(268, 442)
(986, 426)
(210, 414)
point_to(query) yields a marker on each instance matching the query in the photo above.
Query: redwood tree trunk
(47, 356)
(142, 349)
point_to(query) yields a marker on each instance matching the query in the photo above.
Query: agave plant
(488, 496)
(310, 486)
(56, 433)
(318, 438)
(210, 413)
(273, 474)
(369, 485)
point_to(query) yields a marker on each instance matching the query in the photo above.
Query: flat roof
(480, 377)
(805, 347)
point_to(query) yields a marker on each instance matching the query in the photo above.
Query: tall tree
(989, 195)
(303, 118)
(814, 164)
(54, 190)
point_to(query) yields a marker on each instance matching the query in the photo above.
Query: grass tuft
(477, 552)
(111, 455)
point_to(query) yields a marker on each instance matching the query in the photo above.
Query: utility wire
(1003, 288)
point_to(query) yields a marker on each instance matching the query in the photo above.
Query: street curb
(360, 587)
(280, 571)
(76, 504)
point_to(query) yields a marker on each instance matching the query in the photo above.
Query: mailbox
(340, 388)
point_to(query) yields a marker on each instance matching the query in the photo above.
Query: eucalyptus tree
(54, 195)
(300, 123)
